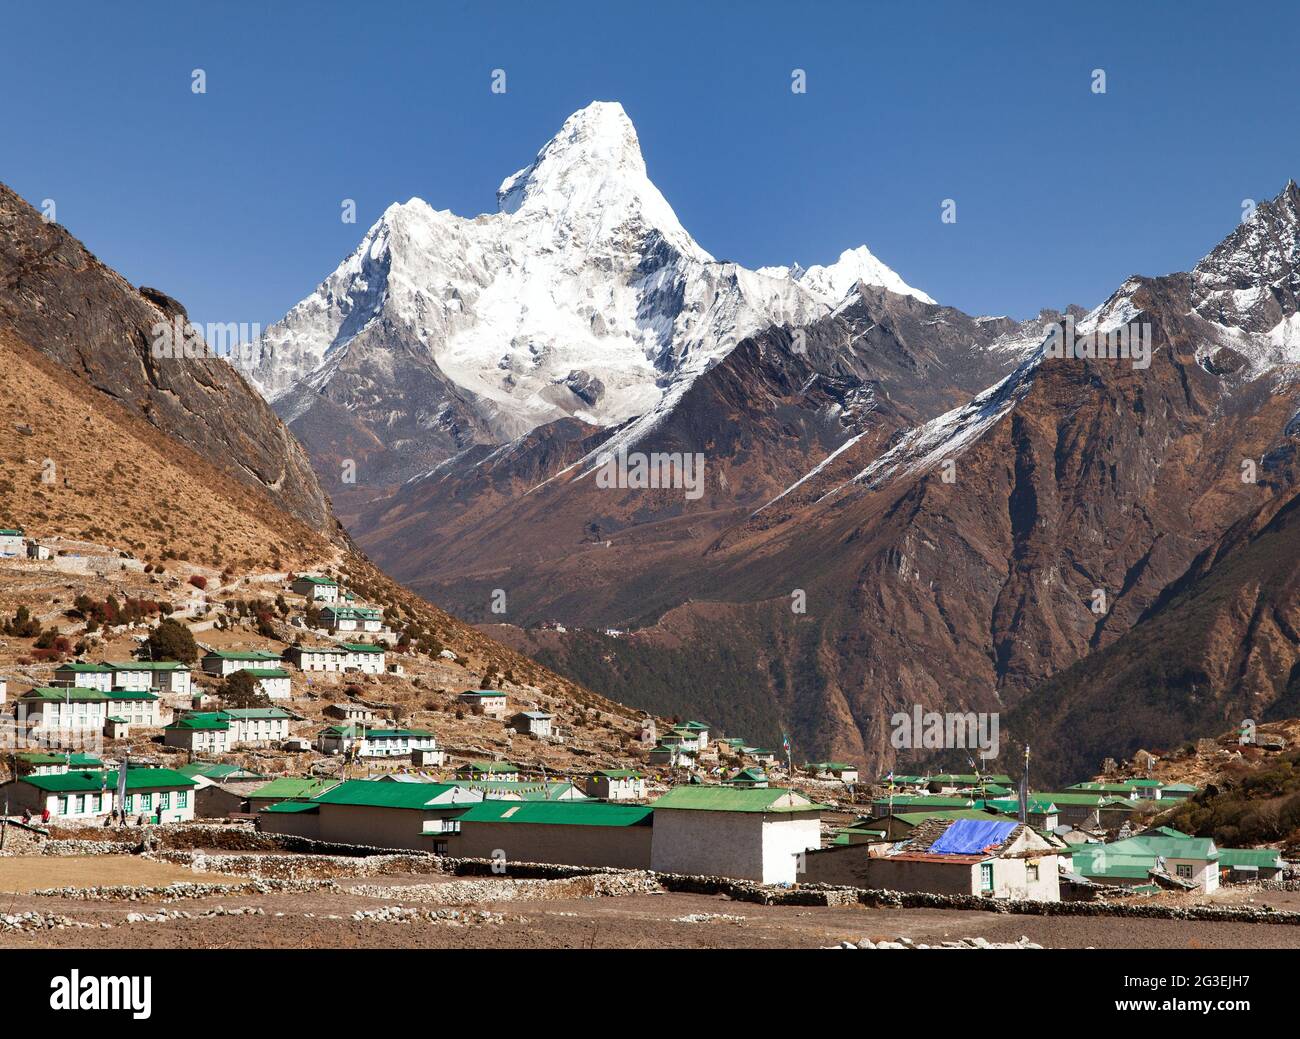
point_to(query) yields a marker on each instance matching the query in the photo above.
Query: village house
(950, 783)
(157, 794)
(364, 742)
(1191, 862)
(747, 777)
(257, 726)
(199, 732)
(272, 682)
(1133, 789)
(136, 707)
(1040, 814)
(164, 677)
(352, 618)
(316, 589)
(317, 658)
(532, 723)
(222, 663)
(40, 763)
(889, 805)
(616, 784)
(993, 858)
(67, 708)
(287, 789)
(523, 790)
(213, 732)
(11, 543)
(220, 790)
(84, 676)
(1250, 865)
(671, 754)
(722, 831)
(1090, 811)
(832, 770)
(37, 551)
(351, 712)
(571, 833)
(363, 657)
(417, 816)
(490, 702)
(495, 771)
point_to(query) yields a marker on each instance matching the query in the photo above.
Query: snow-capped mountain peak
(836, 280)
(581, 296)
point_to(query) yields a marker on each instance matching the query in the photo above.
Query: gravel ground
(322, 919)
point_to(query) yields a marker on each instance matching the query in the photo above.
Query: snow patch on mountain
(835, 281)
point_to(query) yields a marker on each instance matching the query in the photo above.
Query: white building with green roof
(225, 662)
(749, 834)
(11, 543)
(316, 588)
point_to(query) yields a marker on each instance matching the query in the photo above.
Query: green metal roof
(81, 668)
(362, 647)
(68, 694)
(285, 807)
(618, 773)
(971, 778)
(206, 721)
(241, 654)
(482, 692)
(313, 579)
(490, 767)
(266, 672)
(131, 694)
(245, 713)
(922, 801)
(384, 795)
(147, 665)
(71, 760)
(736, 799)
(136, 779)
(288, 787)
(560, 813)
(1268, 858)
(214, 770)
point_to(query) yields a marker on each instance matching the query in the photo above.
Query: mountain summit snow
(583, 296)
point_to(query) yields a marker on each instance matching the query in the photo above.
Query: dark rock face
(57, 297)
(958, 563)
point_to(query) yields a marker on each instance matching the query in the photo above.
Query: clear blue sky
(230, 200)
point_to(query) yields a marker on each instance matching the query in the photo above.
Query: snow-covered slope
(583, 295)
(835, 281)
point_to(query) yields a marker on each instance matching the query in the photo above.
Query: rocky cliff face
(57, 297)
(951, 554)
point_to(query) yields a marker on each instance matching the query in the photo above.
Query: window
(63, 806)
(1183, 871)
(146, 802)
(986, 876)
(1031, 872)
(182, 798)
(128, 805)
(164, 800)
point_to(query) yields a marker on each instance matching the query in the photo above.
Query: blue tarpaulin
(971, 836)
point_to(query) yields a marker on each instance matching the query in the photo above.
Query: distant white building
(533, 723)
(272, 682)
(750, 834)
(135, 707)
(317, 658)
(353, 618)
(37, 551)
(11, 543)
(316, 589)
(52, 708)
(492, 702)
(363, 657)
(222, 663)
(366, 742)
(616, 784)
